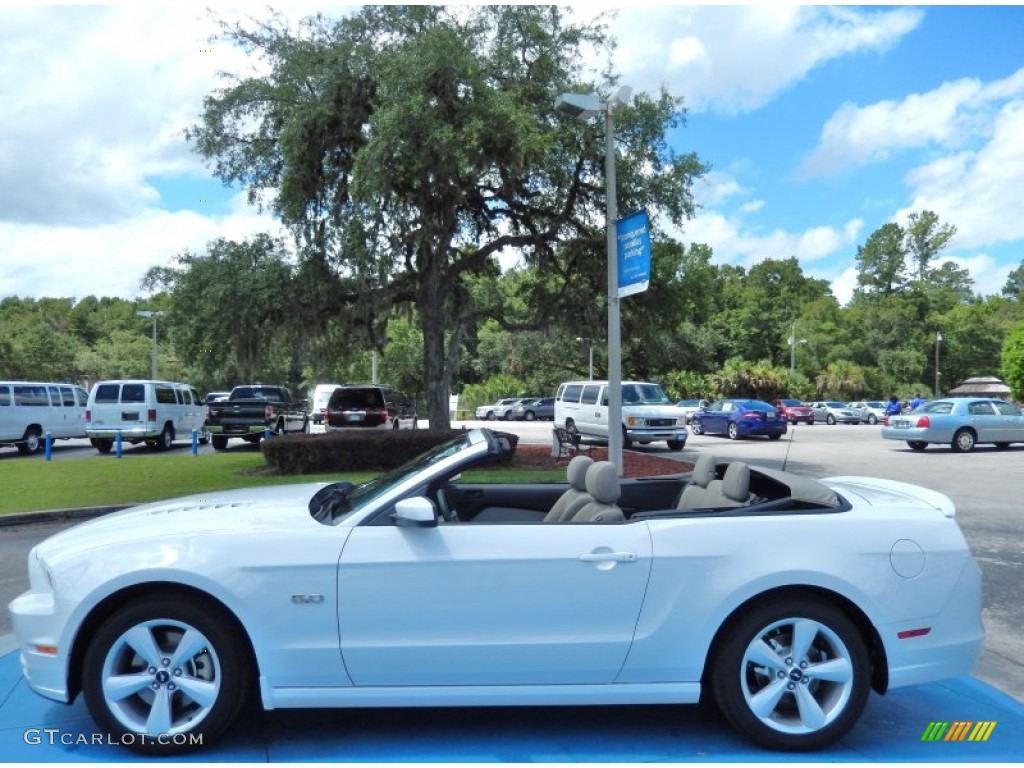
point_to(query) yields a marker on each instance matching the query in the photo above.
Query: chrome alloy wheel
(797, 676)
(161, 677)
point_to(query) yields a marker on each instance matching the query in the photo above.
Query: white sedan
(787, 599)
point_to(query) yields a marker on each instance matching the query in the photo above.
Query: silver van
(154, 412)
(29, 410)
(648, 414)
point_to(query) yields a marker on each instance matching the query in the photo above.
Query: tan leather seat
(603, 485)
(695, 494)
(570, 502)
(733, 490)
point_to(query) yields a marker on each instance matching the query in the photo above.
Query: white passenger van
(318, 402)
(156, 412)
(648, 414)
(31, 409)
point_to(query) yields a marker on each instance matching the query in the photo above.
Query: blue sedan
(960, 422)
(739, 418)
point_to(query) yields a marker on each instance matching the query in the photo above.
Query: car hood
(665, 411)
(284, 507)
(878, 492)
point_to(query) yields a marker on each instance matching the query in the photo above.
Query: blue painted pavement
(33, 729)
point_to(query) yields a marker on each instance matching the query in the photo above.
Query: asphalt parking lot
(984, 484)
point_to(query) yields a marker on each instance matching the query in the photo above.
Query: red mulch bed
(636, 464)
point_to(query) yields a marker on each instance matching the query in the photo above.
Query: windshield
(791, 402)
(644, 394)
(333, 502)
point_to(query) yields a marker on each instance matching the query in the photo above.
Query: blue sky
(821, 124)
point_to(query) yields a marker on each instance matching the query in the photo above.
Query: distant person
(893, 407)
(916, 401)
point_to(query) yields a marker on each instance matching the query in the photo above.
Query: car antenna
(789, 444)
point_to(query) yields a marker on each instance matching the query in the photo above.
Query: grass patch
(31, 485)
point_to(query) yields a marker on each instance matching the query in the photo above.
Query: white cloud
(948, 116)
(843, 286)
(737, 58)
(733, 245)
(978, 191)
(109, 259)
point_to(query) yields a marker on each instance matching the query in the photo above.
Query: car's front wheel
(696, 427)
(166, 675)
(830, 419)
(676, 445)
(792, 674)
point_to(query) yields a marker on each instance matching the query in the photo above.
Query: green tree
(925, 237)
(881, 261)
(407, 146)
(1013, 362)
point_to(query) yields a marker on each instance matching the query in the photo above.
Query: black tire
(529, 416)
(755, 655)
(215, 663)
(395, 425)
(219, 442)
(774, 437)
(102, 444)
(31, 442)
(733, 431)
(204, 438)
(830, 419)
(917, 445)
(1002, 446)
(696, 427)
(964, 440)
(676, 445)
(574, 433)
(166, 440)
(490, 416)
(626, 442)
(872, 419)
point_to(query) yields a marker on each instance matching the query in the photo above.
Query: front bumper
(37, 622)
(641, 435)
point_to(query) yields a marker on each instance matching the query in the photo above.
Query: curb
(47, 516)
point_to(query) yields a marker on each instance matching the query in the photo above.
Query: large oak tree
(408, 146)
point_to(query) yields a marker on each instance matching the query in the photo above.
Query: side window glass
(590, 393)
(82, 397)
(5, 395)
(67, 395)
(572, 393)
(55, 398)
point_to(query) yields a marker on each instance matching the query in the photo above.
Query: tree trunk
(436, 374)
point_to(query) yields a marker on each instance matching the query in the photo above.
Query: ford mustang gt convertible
(782, 599)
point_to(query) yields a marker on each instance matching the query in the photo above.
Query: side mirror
(417, 512)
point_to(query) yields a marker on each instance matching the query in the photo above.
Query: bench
(566, 444)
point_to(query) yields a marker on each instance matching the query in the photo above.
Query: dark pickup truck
(251, 410)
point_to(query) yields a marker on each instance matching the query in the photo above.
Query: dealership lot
(985, 485)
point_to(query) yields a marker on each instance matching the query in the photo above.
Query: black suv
(370, 405)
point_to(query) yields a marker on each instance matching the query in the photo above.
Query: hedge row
(353, 450)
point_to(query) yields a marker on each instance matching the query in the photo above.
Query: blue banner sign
(634, 253)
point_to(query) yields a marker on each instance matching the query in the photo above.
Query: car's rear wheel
(529, 416)
(917, 445)
(171, 670)
(219, 442)
(102, 444)
(166, 438)
(733, 430)
(1002, 446)
(964, 441)
(792, 674)
(774, 437)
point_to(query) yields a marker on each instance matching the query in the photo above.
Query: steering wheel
(444, 503)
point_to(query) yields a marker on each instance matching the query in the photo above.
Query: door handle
(608, 557)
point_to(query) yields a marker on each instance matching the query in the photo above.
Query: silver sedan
(960, 422)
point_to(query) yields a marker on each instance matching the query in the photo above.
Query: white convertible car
(783, 598)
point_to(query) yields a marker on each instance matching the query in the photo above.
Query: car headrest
(603, 482)
(576, 472)
(704, 470)
(736, 483)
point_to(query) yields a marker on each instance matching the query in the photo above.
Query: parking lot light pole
(938, 339)
(591, 342)
(585, 106)
(154, 314)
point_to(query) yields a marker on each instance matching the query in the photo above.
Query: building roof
(981, 386)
